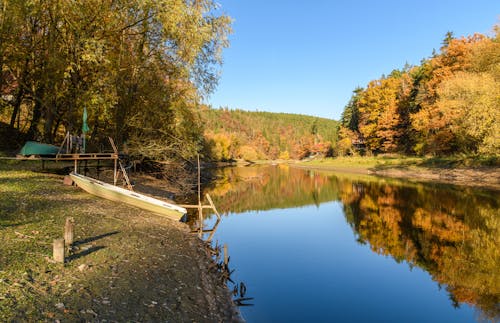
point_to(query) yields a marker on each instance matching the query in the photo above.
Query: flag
(85, 126)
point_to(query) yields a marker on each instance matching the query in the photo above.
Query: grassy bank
(403, 161)
(471, 171)
(128, 264)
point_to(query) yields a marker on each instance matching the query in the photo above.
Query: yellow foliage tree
(470, 103)
(379, 118)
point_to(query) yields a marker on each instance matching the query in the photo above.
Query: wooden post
(115, 177)
(200, 208)
(212, 232)
(76, 166)
(212, 205)
(200, 219)
(68, 232)
(115, 149)
(199, 181)
(226, 256)
(59, 250)
(124, 172)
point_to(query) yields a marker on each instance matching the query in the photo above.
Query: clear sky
(307, 56)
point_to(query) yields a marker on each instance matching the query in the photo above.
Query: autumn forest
(143, 68)
(447, 105)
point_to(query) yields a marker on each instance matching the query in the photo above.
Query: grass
(399, 161)
(134, 263)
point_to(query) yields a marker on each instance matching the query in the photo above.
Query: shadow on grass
(84, 253)
(91, 239)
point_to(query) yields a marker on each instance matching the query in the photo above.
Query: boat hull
(36, 148)
(119, 194)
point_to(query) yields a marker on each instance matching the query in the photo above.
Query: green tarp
(36, 148)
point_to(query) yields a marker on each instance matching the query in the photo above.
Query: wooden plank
(194, 206)
(212, 205)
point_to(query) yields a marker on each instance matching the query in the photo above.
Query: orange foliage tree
(449, 104)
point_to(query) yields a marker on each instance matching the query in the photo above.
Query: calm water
(323, 247)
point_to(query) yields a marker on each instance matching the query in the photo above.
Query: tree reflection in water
(451, 232)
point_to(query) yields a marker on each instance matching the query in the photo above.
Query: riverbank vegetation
(447, 105)
(402, 161)
(138, 67)
(478, 171)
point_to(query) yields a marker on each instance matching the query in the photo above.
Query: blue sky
(307, 56)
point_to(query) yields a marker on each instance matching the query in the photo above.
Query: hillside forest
(449, 104)
(238, 134)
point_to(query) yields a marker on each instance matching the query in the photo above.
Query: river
(313, 246)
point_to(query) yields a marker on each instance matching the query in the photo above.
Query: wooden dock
(72, 157)
(78, 157)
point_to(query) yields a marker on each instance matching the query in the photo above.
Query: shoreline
(127, 263)
(479, 177)
(411, 169)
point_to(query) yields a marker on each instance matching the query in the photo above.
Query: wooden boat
(33, 148)
(118, 194)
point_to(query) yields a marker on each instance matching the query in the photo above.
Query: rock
(83, 267)
(67, 180)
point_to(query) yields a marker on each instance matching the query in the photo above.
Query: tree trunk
(56, 127)
(17, 106)
(37, 114)
(47, 127)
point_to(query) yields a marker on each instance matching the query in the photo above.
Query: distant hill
(238, 134)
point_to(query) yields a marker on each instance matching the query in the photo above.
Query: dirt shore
(483, 177)
(126, 265)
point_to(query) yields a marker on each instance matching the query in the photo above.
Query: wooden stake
(115, 174)
(226, 256)
(200, 208)
(212, 205)
(199, 181)
(59, 250)
(68, 232)
(117, 161)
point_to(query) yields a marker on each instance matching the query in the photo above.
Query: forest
(142, 68)
(139, 68)
(238, 134)
(447, 105)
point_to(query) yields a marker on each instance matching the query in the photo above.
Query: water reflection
(453, 233)
(240, 189)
